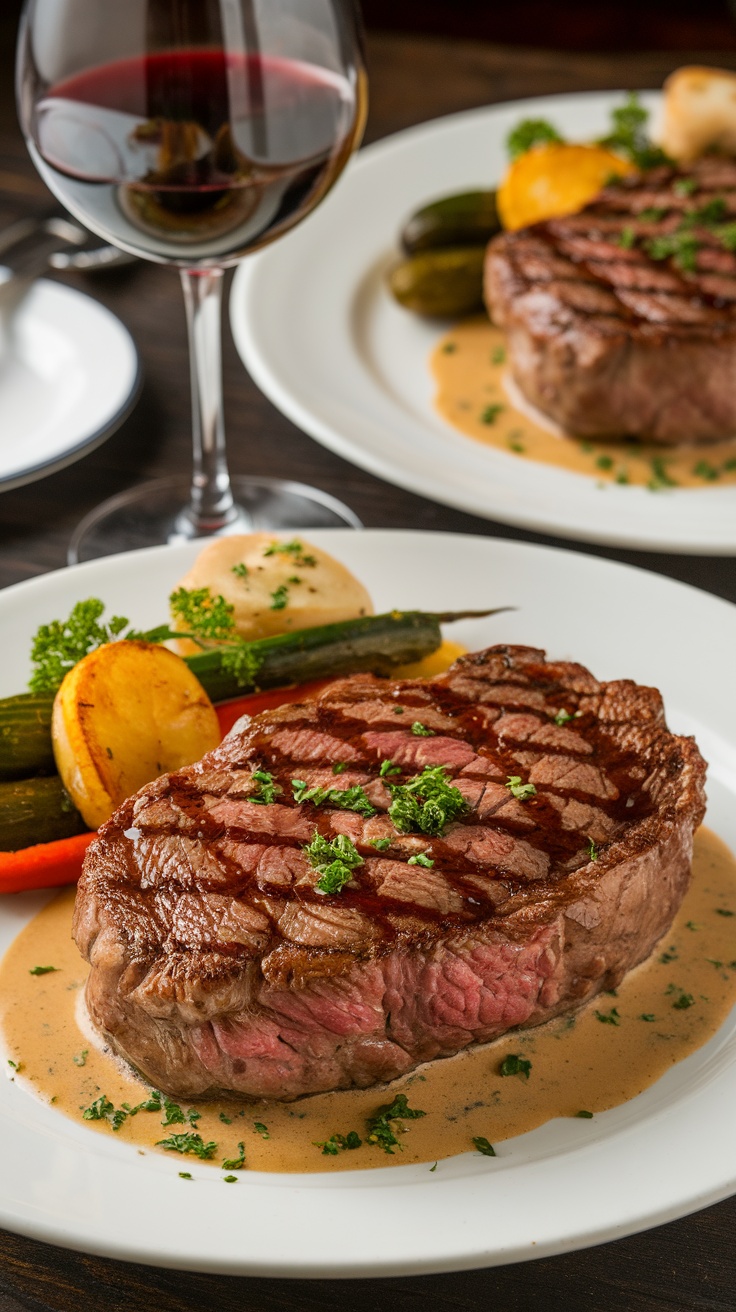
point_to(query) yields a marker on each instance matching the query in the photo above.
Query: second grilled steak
(607, 334)
(218, 964)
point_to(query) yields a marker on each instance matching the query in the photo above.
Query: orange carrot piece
(46, 865)
(229, 712)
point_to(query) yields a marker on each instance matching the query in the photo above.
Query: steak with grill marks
(217, 964)
(610, 342)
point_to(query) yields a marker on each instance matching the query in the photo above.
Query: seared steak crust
(218, 966)
(606, 340)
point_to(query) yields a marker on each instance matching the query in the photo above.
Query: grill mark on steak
(198, 904)
(610, 342)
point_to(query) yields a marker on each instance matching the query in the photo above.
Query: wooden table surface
(686, 1265)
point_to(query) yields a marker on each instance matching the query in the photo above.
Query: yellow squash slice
(125, 714)
(555, 179)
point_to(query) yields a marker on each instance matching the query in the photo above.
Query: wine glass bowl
(192, 133)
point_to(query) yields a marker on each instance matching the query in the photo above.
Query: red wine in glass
(194, 152)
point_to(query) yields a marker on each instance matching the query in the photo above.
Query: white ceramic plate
(566, 1185)
(323, 339)
(69, 375)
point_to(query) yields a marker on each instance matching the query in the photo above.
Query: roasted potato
(125, 714)
(555, 179)
(276, 585)
(699, 113)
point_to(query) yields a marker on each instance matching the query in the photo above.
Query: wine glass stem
(212, 507)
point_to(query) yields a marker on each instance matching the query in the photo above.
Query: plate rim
(94, 438)
(114, 1246)
(272, 375)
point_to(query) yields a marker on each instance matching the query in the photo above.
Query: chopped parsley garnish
(627, 238)
(380, 1129)
(498, 356)
(518, 789)
(267, 789)
(230, 1179)
(427, 803)
(203, 615)
(592, 850)
(604, 462)
(340, 1143)
(681, 246)
(226, 1120)
(530, 132)
(339, 767)
(669, 955)
(491, 413)
(706, 471)
(261, 1129)
(585, 1116)
(347, 799)
(172, 1113)
(691, 924)
(483, 1146)
(15, 1065)
(335, 861)
(280, 597)
(651, 214)
(513, 1064)
(187, 1144)
(240, 571)
(648, 1016)
(80, 1058)
(684, 1001)
(629, 137)
(562, 717)
(388, 767)
(295, 550)
(720, 911)
(660, 477)
(420, 860)
(398, 710)
(380, 844)
(100, 1110)
(235, 1163)
(684, 186)
(185, 1175)
(608, 1017)
(421, 731)
(42, 970)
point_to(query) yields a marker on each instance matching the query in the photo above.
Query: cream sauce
(578, 1063)
(473, 394)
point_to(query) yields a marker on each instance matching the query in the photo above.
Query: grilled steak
(611, 342)
(217, 963)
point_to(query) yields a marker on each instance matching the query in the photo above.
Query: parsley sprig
(426, 803)
(386, 1120)
(531, 132)
(629, 136)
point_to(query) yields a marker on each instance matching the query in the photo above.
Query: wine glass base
(155, 513)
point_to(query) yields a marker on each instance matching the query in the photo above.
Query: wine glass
(191, 133)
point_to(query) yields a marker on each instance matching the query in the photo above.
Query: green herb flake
(261, 1129)
(339, 767)
(295, 550)
(236, 1163)
(608, 1017)
(419, 859)
(513, 1064)
(491, 413)
(426, 803)
(185, 1175)
(648, 1016)
(381, 1131)
(340, 1143)
(16, 1066)
(187, 1144)
(684, 186)
(684, 1001)
(398, 710)
(388, 767)
(528, 133)
(720, 911)
(433, 1168)
(226, 1120)
(42, 970)
(584, 1116)
(346, 799)
(421, 731)
(604, 462)
(482, 1146)
(498, 356)
(240, 571)
(335, 861)
(172, 1113)
(562, 717)
(230, 1179)
(627, 238)
(100, 1110)
(518, 789)
(203, 615)
(80, 1058)
(280, 597)
(691, 924)
(592, 850)
(449, 348)
(629, 136)
(267, 790)
(380, 844)
(703, 469)
(670, 954)
(651, 214)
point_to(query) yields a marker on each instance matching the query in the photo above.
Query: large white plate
(323, 339)
(69, 375)
(566, 1185)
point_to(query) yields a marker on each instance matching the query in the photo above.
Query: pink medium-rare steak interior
(219, 965)
(611, 341)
